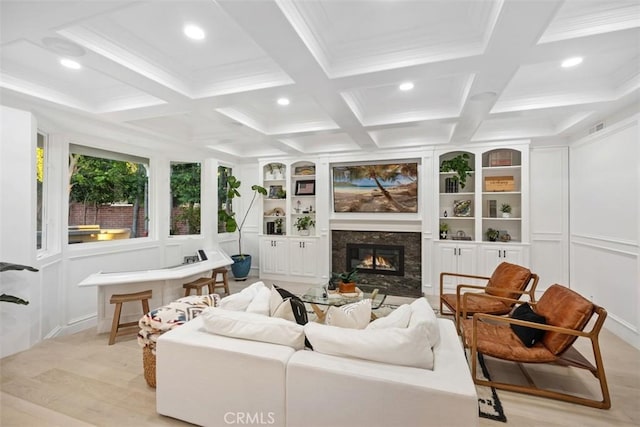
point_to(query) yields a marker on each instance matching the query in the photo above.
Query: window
(40, 191)
(224, 204)
(108, 195)
(185, 198)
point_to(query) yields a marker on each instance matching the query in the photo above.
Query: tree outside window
(107, 195)
(40, 177)
(185, 198)
(224, 173)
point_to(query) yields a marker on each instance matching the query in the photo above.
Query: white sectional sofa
(214, 380)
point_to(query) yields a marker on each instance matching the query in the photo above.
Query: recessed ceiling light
(406, 86)
(572, 62)
(283, 101)
(193, 32)
(69, 63)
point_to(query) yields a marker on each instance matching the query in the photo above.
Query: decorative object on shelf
(445, 214)
(306, 187)
(460, 165)
(462, 208)
(271, 227)
(451, 185)
(6, 266)
(492, 211)
(279, 223)
(500, 158)
(460, 235)
(276, 192)
(303, 224)
(298, 208)
(444, 230)
(304, 170)
(499, 183)
(505, 208)
(492, 235)
(504, 236)
(275, 212)
(241, 262)
(383, 187)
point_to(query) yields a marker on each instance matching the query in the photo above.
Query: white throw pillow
(252, 326)
(260, 303)
(354, 316)
(396, 346)
(421, 311)
(398, 318)
(241, 300)
(275, 299)
(285, 311)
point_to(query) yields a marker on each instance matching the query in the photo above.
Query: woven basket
(149, 363)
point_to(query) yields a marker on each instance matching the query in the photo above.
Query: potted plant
(241, 261)
(303, 224)
(347, 280)
(492, 235)
(506, 210)
(444, 230)
(460, 165)
(279, 223)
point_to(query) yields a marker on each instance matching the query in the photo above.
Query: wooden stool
(198, 284)
(118, 299)
(224, 283)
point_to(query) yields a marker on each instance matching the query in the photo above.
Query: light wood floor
(78, 380)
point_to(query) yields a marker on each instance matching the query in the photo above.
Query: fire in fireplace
(376, 259)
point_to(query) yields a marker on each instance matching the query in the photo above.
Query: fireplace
(376, 259)
(392, 259)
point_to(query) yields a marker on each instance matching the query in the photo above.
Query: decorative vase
(506, 215)
(443, 235)
(241, 266)
(304, 232)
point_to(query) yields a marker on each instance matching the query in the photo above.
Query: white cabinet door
(304, 257)
(494, 255)
(456, 258)
(274, 256)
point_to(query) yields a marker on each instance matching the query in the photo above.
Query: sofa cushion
(254, 327)
(241, 300)
(396, 346)
(421, 311)
(285, 305)
(260, 302)
(354, 316)
(398, 318)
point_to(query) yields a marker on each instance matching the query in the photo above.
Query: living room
(490, 81)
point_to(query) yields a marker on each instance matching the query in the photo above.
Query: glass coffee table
(320, 296)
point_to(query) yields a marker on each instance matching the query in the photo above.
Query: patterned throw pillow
(353, 316)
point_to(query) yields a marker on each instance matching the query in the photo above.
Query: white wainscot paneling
(604, 186)
(51, 301)
(17, 322)
(549, 261)
(608, 276)
(82, 302)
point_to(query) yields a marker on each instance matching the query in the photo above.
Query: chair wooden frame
(457, 313)
(570, 357)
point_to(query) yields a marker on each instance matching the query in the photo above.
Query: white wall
(549, 207)
(604, 200)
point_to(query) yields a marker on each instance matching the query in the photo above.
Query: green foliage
(304, 223)
(492, 234)
(347, 276)
(506, 208)
(460, 165)
(444, 226)
(228, 217)
(185, 193)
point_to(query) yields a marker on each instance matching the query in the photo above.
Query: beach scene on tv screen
(376, 188)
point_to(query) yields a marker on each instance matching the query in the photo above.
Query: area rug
(489, 404)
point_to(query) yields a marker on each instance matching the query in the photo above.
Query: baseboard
(624, 330)
(79, 324)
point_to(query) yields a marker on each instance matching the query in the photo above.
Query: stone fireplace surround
(409, 285)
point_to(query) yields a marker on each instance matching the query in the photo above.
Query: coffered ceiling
(481, 70)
